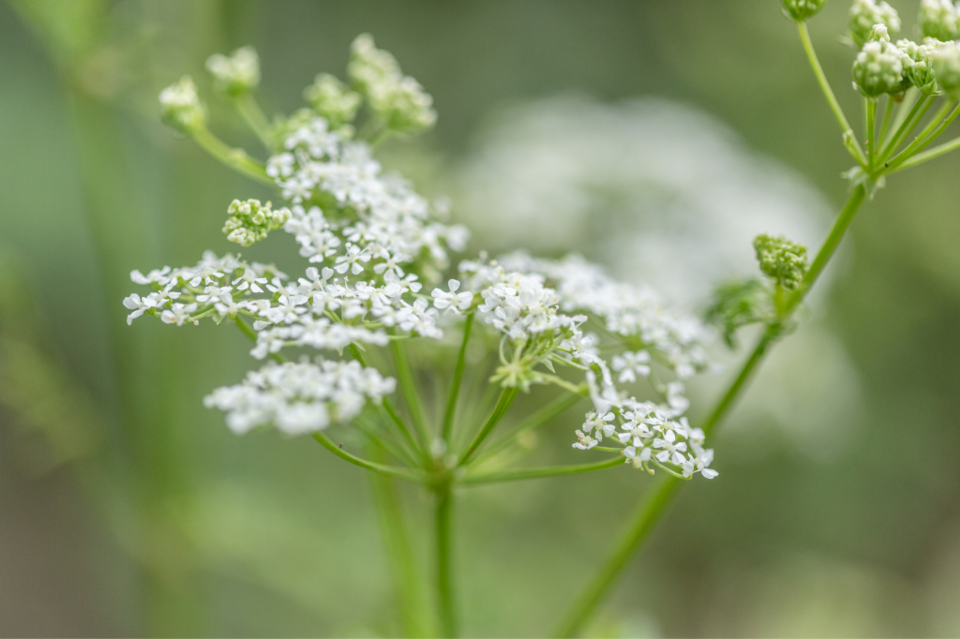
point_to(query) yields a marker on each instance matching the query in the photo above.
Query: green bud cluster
(801, 10)
(939, 19)
(332, 99)
(878, 68)
(250, 221)
(398, 101)
(946, 68)
(917, 66)
(236, 74)
(782, 260)
(864, 14)
(181, 108)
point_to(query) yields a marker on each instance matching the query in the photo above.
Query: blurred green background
(128, 509)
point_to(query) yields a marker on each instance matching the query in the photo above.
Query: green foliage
(737, 304)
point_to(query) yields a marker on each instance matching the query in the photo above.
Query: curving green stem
(537, 473)
(252, 114)
(651, 509)
(236, 159)
(849, 139)
(393, 471)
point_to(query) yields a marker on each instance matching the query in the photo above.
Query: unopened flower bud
(236, 74)
(399, 101)
(866, 13)
(801, 10)
(939, 19)
(331, 98)
(250, 222)
(781, 260)
(878, 69)
(946, 68)
(181, 107)
(917, 67)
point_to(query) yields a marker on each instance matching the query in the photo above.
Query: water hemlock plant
(384, 275)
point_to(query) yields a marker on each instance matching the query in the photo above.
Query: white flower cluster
(237, 73)
(540, 306)
(180, 106)
(371, 236)
(634, 314)
(398, 101)
(300, 397)
(650, 435)
(939, 19)
(348, 213)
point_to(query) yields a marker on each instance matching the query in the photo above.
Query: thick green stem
(446, 601)
(411, 599)
(451, 410)
(236, 159)
(634, 535)
(409, 389)
(536, 473)
(393, 471)
(506, 398)
(649, 511)
(840, 226)
(849, 139)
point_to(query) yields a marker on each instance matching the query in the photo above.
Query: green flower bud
(237, 74)
(250, 222)
(917, 67)
(866, 13)
(181, 107)
(331, 98)
(396, 100)
(939, 19)
(946, 68)
(878, 69)
(801, 10)
(782, 260)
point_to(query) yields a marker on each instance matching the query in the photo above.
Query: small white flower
(452, 301)
(178, 314)
(586, 442)
(631, 364)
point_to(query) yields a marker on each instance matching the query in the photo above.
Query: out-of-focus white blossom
(300, 397)
(180, 106)
(237, 73)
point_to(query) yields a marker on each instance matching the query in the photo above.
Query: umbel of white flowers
(372, 244)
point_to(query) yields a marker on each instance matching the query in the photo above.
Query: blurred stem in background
(147, 458)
